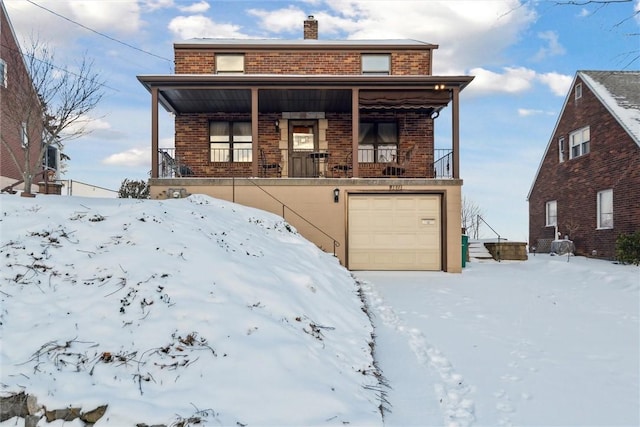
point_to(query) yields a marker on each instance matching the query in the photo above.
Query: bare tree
(49, 104)
(469, 213)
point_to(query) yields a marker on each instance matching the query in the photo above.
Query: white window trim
(600, 210)
(584, 145)
(578, 91)
(561, 150)
(548, 223)
(24, 135)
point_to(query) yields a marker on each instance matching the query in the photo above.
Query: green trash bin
(465, 249)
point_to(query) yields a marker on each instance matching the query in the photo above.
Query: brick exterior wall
(612, 163)
(12, 109)
(290, 61)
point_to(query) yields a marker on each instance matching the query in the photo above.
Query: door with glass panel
(303, 144)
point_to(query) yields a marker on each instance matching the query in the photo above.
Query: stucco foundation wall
(313, 199)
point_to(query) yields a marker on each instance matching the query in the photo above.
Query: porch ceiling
(203, 93)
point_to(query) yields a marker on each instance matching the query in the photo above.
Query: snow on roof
(619, 91)
(303, 42)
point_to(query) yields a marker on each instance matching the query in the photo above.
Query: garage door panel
(398, 232)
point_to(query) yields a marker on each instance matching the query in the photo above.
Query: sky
(523, 54)
(181, 308)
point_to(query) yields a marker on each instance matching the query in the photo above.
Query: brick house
(21, 118)
(587, 186)
(336, 136)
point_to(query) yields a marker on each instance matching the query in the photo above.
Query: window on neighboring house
(561, 155)
(230, 63)
(578, 91)
(24, 135)
(579, 142)
(230, 141)
(3, 73)
(51, 160)
(378, 142)
(376, 64)
(551, 216)
(605, 209)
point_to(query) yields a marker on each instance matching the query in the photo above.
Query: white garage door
(394, 232)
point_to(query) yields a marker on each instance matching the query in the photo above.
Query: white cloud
(131, 157)
(636, 9)
(122, 16)
(511, 81)
(198, 26)
(558, 83)
(525, 112)
(199, 7)
(553, 47)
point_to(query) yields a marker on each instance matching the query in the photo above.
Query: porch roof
(192, 93)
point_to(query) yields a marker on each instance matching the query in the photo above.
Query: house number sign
(395, 187)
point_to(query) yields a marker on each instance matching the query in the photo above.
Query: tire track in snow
(452, 392)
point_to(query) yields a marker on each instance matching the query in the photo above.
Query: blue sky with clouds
(524, 55)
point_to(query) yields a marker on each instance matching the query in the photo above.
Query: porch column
(154, 132)
(355, 129)
(455, 130)
(254, 132)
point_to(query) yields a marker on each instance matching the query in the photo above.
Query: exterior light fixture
(336, 195)
(439, 87)
(277, 124)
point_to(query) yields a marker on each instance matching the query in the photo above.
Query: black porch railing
(309, 163)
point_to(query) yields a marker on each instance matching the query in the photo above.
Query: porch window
(579, 142)
(230, 141)
(376, 64)
(551, 216)
(605, 209)
(230, 63)
(378, 142)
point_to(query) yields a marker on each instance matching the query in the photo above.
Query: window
(578, 91)
(561, 155)
(3, 73)
(24, 135)
(230, 63)
(230, 141)
(605, 209)
(376, 64)
(378, 142)
(579, 142)
(551, 216)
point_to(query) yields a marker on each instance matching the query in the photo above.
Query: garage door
(394, 232)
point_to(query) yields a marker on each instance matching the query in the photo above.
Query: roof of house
(618, 91)
(305, 43)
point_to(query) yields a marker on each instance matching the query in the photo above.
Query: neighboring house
(21, 117)
(336, 136)
(587, 187)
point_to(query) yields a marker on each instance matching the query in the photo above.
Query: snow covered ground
(199, 309)
(543, 342)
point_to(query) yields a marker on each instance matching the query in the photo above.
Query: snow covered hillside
(179, 310)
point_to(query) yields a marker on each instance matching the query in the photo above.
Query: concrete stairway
(478, 252)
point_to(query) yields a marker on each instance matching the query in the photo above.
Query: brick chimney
(310, 28)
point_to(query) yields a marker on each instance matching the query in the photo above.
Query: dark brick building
(587, 187)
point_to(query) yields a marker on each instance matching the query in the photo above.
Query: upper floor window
(605, 209)
(561, 153)
(578, 91)
(579, 142)
(378, 142)
(24, 135)
(230, 63)
(376, 64)
(551, 213)
(3, 73)
(230, 141)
